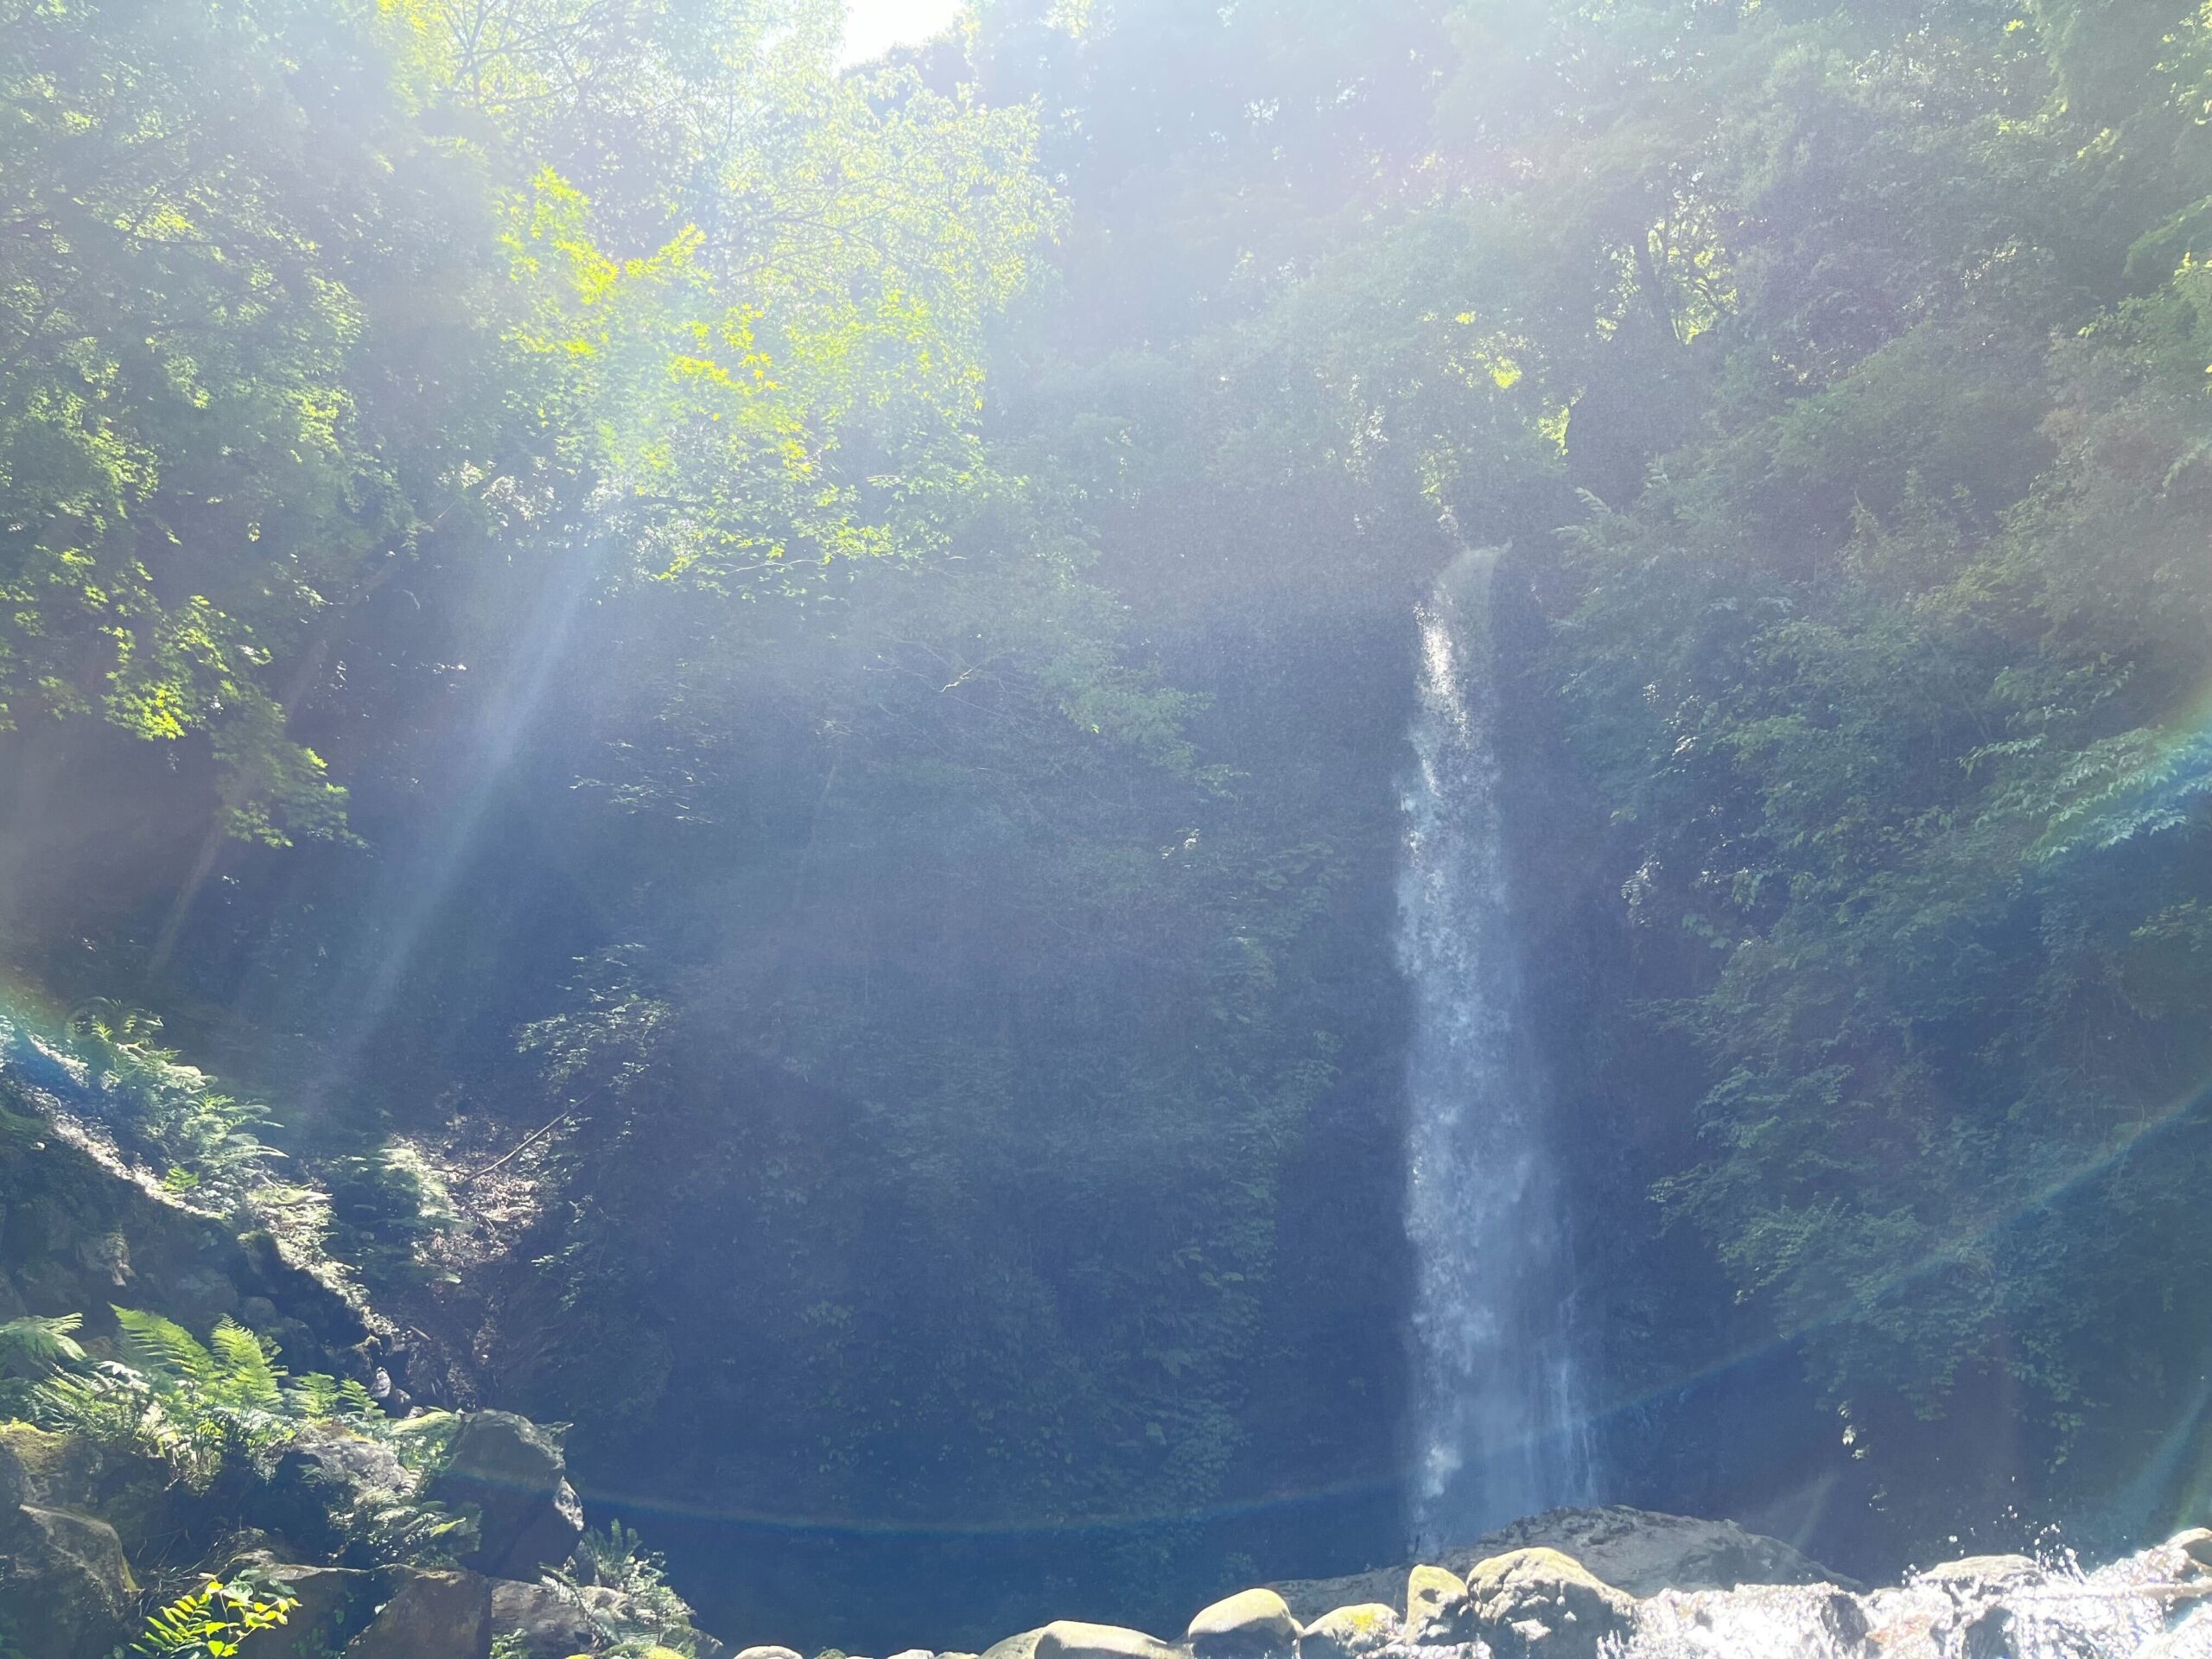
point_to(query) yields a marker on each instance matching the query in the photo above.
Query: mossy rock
(1437, 1611)
(1350, 1632)
(1250, 1625)
(37, 1466)
(1539, 1604)
(66, 1589)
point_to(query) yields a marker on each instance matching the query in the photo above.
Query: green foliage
(191, 1406)
(34, 1347)
(106, 1067)
(198, 1408)
(215, 1621)
(1889, 668)
(617, 1559)
(34, 1350)
(384, 1206)
(673, 354)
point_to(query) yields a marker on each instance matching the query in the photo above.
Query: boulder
(554, 1622)
(2195, 1546)
(134, 1494)
(431, 1614)
(1538, 1603)
(1068, 1638)
(325, 1471)
(66, 1589)
(38, 1467)
(768, 1653)
(915, 1653)
(1350, 1632)
(335, 1603)
(1250, 1625)
(1023, 1646)
(511, 1472)
(1437, 1611)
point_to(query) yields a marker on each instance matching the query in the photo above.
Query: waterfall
(1495, 1412)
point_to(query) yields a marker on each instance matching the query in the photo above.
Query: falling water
(1499, 1435)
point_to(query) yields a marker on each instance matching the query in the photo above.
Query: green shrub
(212, 1622)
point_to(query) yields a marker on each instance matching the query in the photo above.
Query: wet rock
(2191, 1639)
(431, 1614)
(66, 1589)
(1986, 1574)
(553, 1620)
(1250, 1625)
(1068, 1638)
(1538, 1603)
(513, 1472)
(1437, 1610)
(1350, 1632)
(1769, 1621)
(2195, 1546)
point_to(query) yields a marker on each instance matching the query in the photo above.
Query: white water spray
(1499, 1434)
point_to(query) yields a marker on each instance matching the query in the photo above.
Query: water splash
(2155, 1605)
(1495, 1412)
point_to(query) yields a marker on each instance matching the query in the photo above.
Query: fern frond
(248, 1377)
(32, 1347)
(162, 1349)
(312, 1398)
(354, 1400)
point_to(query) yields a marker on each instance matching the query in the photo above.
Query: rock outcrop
(511, 1472)
(431, 1614)
(66, 1589)
(554, 1622)
(85, 1232)
(1638, 1551)
(325, 1473)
